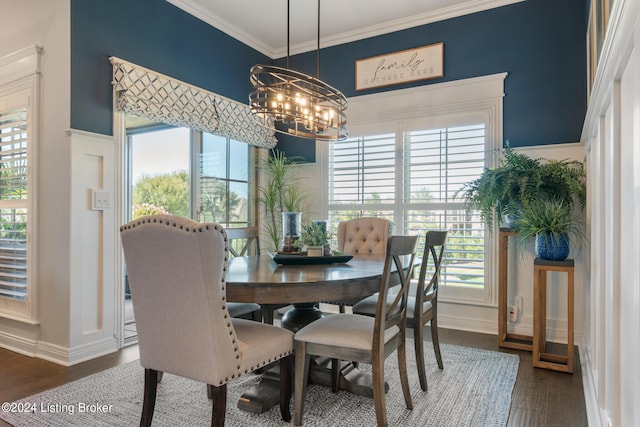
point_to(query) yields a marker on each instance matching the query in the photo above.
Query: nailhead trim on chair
(206, 227)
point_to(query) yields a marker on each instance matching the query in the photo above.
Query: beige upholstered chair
(246, 241)
(240, 242)
(426, 297)
(362, 338)
(177, 269)
(367, 235)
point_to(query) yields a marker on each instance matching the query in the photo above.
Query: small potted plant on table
(314, 237)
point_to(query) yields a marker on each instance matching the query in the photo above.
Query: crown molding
(469, 7)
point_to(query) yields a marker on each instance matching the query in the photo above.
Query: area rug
(473, 389)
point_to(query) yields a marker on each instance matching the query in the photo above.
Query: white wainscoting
(611, 346)
(93, 233)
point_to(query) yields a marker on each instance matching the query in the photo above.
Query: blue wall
(540, 43)
(156, 35)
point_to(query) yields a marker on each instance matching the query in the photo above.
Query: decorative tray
(303, 259)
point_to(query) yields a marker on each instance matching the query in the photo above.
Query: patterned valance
(145, 93)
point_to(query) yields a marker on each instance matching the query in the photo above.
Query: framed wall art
(425, 62)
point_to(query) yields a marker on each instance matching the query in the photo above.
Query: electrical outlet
(513, 313)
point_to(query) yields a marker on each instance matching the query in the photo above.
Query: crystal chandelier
(302, 105)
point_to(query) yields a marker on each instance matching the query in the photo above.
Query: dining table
(260, 279)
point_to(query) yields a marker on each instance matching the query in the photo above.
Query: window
(13, 203)
(224, 181)
(18, 177)
(405, 161)
(164, 178)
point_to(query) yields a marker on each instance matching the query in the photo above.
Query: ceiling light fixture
(305, 106)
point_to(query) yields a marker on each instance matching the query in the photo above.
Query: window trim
(20, 76)
(447, 104)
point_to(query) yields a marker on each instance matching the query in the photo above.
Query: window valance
(145, 93)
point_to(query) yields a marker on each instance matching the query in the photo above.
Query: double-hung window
(407, 167)
(18, 129)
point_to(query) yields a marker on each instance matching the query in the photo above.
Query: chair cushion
(237, 309)
(368, 306)
(343, 330)
(261, 344)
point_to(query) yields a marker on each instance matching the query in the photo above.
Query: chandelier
(300, 104)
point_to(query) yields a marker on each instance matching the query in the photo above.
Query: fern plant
(518, 180)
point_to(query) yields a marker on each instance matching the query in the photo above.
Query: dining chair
(177, 275)
(365, 235)
(245, 241)
(360, 338)
(423, 307)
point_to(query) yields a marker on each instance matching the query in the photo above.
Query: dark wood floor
(540, 398)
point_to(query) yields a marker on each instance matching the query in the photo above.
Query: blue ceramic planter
(552, 248)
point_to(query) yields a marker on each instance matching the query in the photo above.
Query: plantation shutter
(438, 162)
(13, 203)
(362, 170)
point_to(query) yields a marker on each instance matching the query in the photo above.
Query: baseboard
(468, 324)
(18, 344)
(92, 350)
(595, 416)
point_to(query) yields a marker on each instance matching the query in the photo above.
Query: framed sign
(426, 62)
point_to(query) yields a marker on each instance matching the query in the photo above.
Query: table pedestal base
(300, 315)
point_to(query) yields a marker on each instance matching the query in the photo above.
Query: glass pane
(213, 159)
(160, 177)
(238, 160)
(238, 202)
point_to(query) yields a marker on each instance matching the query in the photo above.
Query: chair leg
(219, 404)
(266, 312)
(402, 365)
(149, 402)
(418, 342)
(434, 338)
(285, 387)
(301, 375)
(379, 399)
(335, 375)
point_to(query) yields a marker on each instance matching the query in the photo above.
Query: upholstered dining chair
(360, 338)
(423, 307)
(177, 271)
(244, 241)
(365, 235)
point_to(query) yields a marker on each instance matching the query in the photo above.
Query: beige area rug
(473, 389)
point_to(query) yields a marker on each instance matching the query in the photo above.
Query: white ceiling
(262, 24)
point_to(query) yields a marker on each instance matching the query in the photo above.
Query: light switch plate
(100, 200)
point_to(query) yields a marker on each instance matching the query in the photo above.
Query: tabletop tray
(303, 259)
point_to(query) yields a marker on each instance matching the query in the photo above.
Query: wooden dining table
(259, 279)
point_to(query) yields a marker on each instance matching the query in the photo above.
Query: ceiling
(262, 24)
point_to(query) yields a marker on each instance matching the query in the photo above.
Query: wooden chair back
(241, 241)
(434, 247)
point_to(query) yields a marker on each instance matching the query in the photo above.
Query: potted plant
(278, 195)
(502, 191)
(315, 238)
(554, 224)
